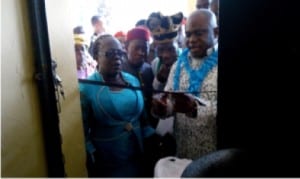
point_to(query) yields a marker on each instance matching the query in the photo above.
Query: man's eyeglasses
(113, 53)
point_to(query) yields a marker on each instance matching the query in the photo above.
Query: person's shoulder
(130, 78)
(214, 70)
(93, 77)
(147, 67)
(127, 75)
(154, 64)
(175, 64)
(155, 61)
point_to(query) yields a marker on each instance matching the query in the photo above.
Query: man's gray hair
(213, 19)
(208, 14)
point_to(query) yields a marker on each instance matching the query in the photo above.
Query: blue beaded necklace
(196, 76)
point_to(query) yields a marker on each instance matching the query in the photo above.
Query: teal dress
(112, 126)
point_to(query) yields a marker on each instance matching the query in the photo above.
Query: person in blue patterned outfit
(113, 131)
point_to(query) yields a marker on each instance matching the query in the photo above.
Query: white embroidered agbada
(196, 137)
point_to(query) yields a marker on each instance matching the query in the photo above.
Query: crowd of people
(127, 96)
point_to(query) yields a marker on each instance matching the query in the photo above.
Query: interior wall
(191, 6)
(60, 17)
(22, 147)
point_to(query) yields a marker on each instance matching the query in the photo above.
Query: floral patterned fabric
(196, 137)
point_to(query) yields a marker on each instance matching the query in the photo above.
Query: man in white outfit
(194, 75)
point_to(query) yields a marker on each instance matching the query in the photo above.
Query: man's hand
(184, 103)
(163, 73)
(167, 103)
(159, 104)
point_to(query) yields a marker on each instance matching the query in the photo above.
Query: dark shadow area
(226, 162)
(45, 84)
(258, 74)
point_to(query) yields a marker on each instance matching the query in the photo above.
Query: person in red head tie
(121, 36)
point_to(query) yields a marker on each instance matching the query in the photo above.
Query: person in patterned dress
(194, 77)
(85, 64)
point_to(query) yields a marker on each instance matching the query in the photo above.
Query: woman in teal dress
(113, 130)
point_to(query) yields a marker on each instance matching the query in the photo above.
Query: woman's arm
(87, 116)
